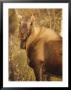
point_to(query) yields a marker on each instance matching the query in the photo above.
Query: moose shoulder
(44, 49)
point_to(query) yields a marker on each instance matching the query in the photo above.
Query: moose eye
(25, 25)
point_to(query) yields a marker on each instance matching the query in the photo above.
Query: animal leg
(38, 72)
(41, 73)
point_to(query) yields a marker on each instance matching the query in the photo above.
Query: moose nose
(23, 44)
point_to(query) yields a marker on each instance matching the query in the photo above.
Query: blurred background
(18, 66)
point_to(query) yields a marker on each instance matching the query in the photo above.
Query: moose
(43, 47)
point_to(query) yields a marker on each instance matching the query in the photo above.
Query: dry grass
(18, 66)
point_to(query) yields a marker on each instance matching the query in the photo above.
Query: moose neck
(35, 31)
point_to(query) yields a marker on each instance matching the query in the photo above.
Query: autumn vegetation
(18, 60)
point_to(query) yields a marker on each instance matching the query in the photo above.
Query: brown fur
(44, 49)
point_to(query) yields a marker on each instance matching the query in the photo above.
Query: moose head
(25, 30)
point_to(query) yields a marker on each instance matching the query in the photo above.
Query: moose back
(44, 50)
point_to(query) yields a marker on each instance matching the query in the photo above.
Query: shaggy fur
(44, 49)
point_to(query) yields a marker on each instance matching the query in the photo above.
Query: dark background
(55, 1)
(1, 29)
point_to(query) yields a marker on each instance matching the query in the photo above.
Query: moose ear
(31, 20)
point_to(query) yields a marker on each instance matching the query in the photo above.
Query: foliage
(18, 62)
